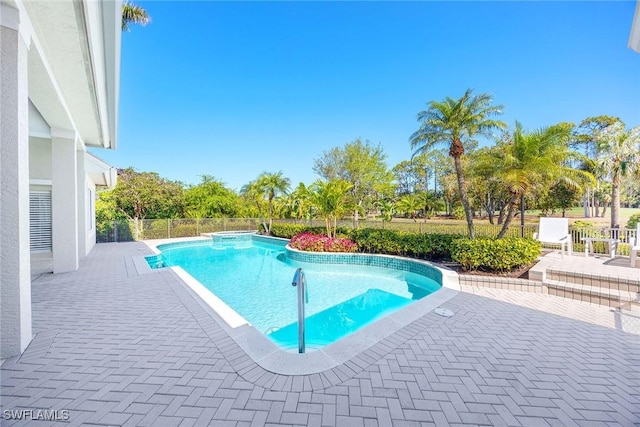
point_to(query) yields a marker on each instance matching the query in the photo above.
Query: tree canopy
(363, 166)
(547, 167)
(211, 199)
(141, 195)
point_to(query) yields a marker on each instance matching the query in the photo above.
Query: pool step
(611, 297)
(625, 284)
(334, 323)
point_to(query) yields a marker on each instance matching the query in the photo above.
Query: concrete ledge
(595, 295)
(509, 283)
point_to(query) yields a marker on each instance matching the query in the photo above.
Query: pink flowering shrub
(319, 243)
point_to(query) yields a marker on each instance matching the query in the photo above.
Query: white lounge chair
(634, 246)
(555, 231)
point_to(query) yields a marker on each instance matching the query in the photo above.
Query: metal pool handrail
(300, 282)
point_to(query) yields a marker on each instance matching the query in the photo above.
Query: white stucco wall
(86, 207)
(64, 201)
(40, 158)
(15, 258)
(38, 126)
(90, 215)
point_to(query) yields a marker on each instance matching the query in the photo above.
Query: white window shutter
(40, 221)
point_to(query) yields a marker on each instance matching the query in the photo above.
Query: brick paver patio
(117, 348)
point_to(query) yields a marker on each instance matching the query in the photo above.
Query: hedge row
(392, 242)
(495, 254)
(485, 254)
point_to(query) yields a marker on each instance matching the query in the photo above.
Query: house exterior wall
(64, 201)
(90, 215)
(15, 267)
(59, 63)
(86, 208)
(40, 159)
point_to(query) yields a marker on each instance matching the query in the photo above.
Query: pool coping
(271, 357)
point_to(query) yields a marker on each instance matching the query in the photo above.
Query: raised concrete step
(616, 298)
(596, 280)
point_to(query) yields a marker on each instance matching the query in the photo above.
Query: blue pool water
(254, 278)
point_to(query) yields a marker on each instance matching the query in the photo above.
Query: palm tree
(586, 135)
(298, 203)
(133, 14)
(272, 184)
(387, 208)
(532, 158)
(620, 150)
(254, 193)
(330, 197)
(457, 122)
(429, 202)
(409, 204)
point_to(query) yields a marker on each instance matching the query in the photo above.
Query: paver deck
(116, 348)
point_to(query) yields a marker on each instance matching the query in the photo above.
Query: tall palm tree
(532, 158)
(272, 184)
(457, 122)
(133, 14)
(620, 150)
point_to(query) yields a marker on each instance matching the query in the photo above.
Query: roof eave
(634, 37)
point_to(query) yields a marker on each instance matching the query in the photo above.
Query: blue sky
(232, 89)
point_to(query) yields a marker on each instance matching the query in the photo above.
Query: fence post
(115, 230)
(197, 226)
(168, 228)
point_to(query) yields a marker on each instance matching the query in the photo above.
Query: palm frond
(133, 14)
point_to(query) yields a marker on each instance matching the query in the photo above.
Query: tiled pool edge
(330, 361)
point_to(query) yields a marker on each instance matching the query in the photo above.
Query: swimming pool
(253, 275)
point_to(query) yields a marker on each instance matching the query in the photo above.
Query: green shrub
(458, 213)
(633, 220)
(497, 255)
(582, 224)
(393, 242)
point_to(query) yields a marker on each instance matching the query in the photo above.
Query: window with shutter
(40, 220)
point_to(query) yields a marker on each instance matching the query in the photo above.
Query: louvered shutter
(40, 212)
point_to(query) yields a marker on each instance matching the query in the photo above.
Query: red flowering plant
(319, 243)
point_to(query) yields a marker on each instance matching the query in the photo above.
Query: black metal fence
(131, 230)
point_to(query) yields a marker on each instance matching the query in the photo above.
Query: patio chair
(634, 246)
(555, 231)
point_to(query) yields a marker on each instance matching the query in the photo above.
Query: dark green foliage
(495, 254)
(633, 221)
(287, 231)
(211, 199)
(392, 242)
(141, 195)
